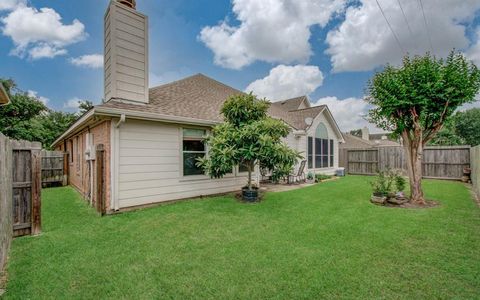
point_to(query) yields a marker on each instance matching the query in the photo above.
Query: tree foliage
(248, 137)
(27, 118)
(467, 126)
(415, 99)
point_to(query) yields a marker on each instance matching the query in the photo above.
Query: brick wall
(80, 169)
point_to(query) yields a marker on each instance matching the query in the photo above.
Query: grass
(324, 241)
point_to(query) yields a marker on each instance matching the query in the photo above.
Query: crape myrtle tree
(415, 99)
(248, 137)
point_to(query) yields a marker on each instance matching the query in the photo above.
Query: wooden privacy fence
(54, 168)
(6, 217)
(26, 173)
(442, 162)
(475, 163)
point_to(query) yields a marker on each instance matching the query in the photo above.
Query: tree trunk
(413, 153)
(250, 169)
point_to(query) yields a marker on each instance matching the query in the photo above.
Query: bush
(388, 182)
(320, 177)
(310, 176)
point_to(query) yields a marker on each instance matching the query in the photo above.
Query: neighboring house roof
(4, 99)
(352, 141)
(198, 99)
(379, 136)
(293, 103)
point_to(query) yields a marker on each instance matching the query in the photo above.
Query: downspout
(122, 120)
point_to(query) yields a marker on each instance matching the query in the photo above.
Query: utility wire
(406, 20)
(390, 26)
(426, 25)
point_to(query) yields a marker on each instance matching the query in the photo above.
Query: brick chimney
(126, 53)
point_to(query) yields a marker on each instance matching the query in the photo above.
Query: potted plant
(248, 137)
(310, 177)
(382, 186)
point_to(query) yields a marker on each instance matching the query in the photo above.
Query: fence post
(100, 179)
(36, 191)
(65, 169)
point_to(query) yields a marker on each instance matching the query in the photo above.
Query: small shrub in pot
(310, 177)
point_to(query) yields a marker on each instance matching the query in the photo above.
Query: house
(368, 140)
(152, 136)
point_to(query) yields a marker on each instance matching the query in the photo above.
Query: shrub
(310, 176)
(320, 177)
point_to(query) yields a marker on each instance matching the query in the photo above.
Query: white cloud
(34, 94)
(284, 82)
(269, 30)
(473, 52)
(72, 104)
(350, 113)
(11, 4)
(40, 33)
(93, 61)
(364, 41)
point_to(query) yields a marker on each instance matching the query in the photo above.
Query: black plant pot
(250, 195)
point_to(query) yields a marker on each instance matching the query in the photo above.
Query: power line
(405, 18)
(390, 26)
(426, 25)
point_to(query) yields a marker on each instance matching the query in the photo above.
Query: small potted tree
(310, 177)
(250, 138)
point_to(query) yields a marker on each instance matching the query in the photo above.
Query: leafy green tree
(447, 136)
(356, 132)
(467, 126)
(84, 106)
(16, 118)
(51, 125)
(415, 99)
(248, 137)
(26, 118)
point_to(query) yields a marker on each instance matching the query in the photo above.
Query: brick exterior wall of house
(79, 167)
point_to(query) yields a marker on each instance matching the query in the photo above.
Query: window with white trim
(192, 149)
(320, 149)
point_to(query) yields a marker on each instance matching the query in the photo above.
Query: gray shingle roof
(292, 104)
(201, 97)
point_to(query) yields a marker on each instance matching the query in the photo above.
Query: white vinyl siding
(150, 167)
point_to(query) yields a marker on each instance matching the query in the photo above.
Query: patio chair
(299, 175)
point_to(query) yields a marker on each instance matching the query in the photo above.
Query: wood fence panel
(362, 161)
(53, 167)
(6, 200)
(443, 162)
(475, 163)
(26, 187)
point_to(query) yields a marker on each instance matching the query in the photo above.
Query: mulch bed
(429, 204)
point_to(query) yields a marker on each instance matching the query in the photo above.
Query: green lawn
(324, 241)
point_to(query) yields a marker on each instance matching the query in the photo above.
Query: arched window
(320, 152)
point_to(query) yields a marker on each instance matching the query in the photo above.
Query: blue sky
(279, 48)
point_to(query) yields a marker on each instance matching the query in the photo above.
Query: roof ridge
(311, 107)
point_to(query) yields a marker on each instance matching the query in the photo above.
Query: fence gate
(54, 168)
(26, 185)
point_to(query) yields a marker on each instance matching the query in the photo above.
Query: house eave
(129, 114)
